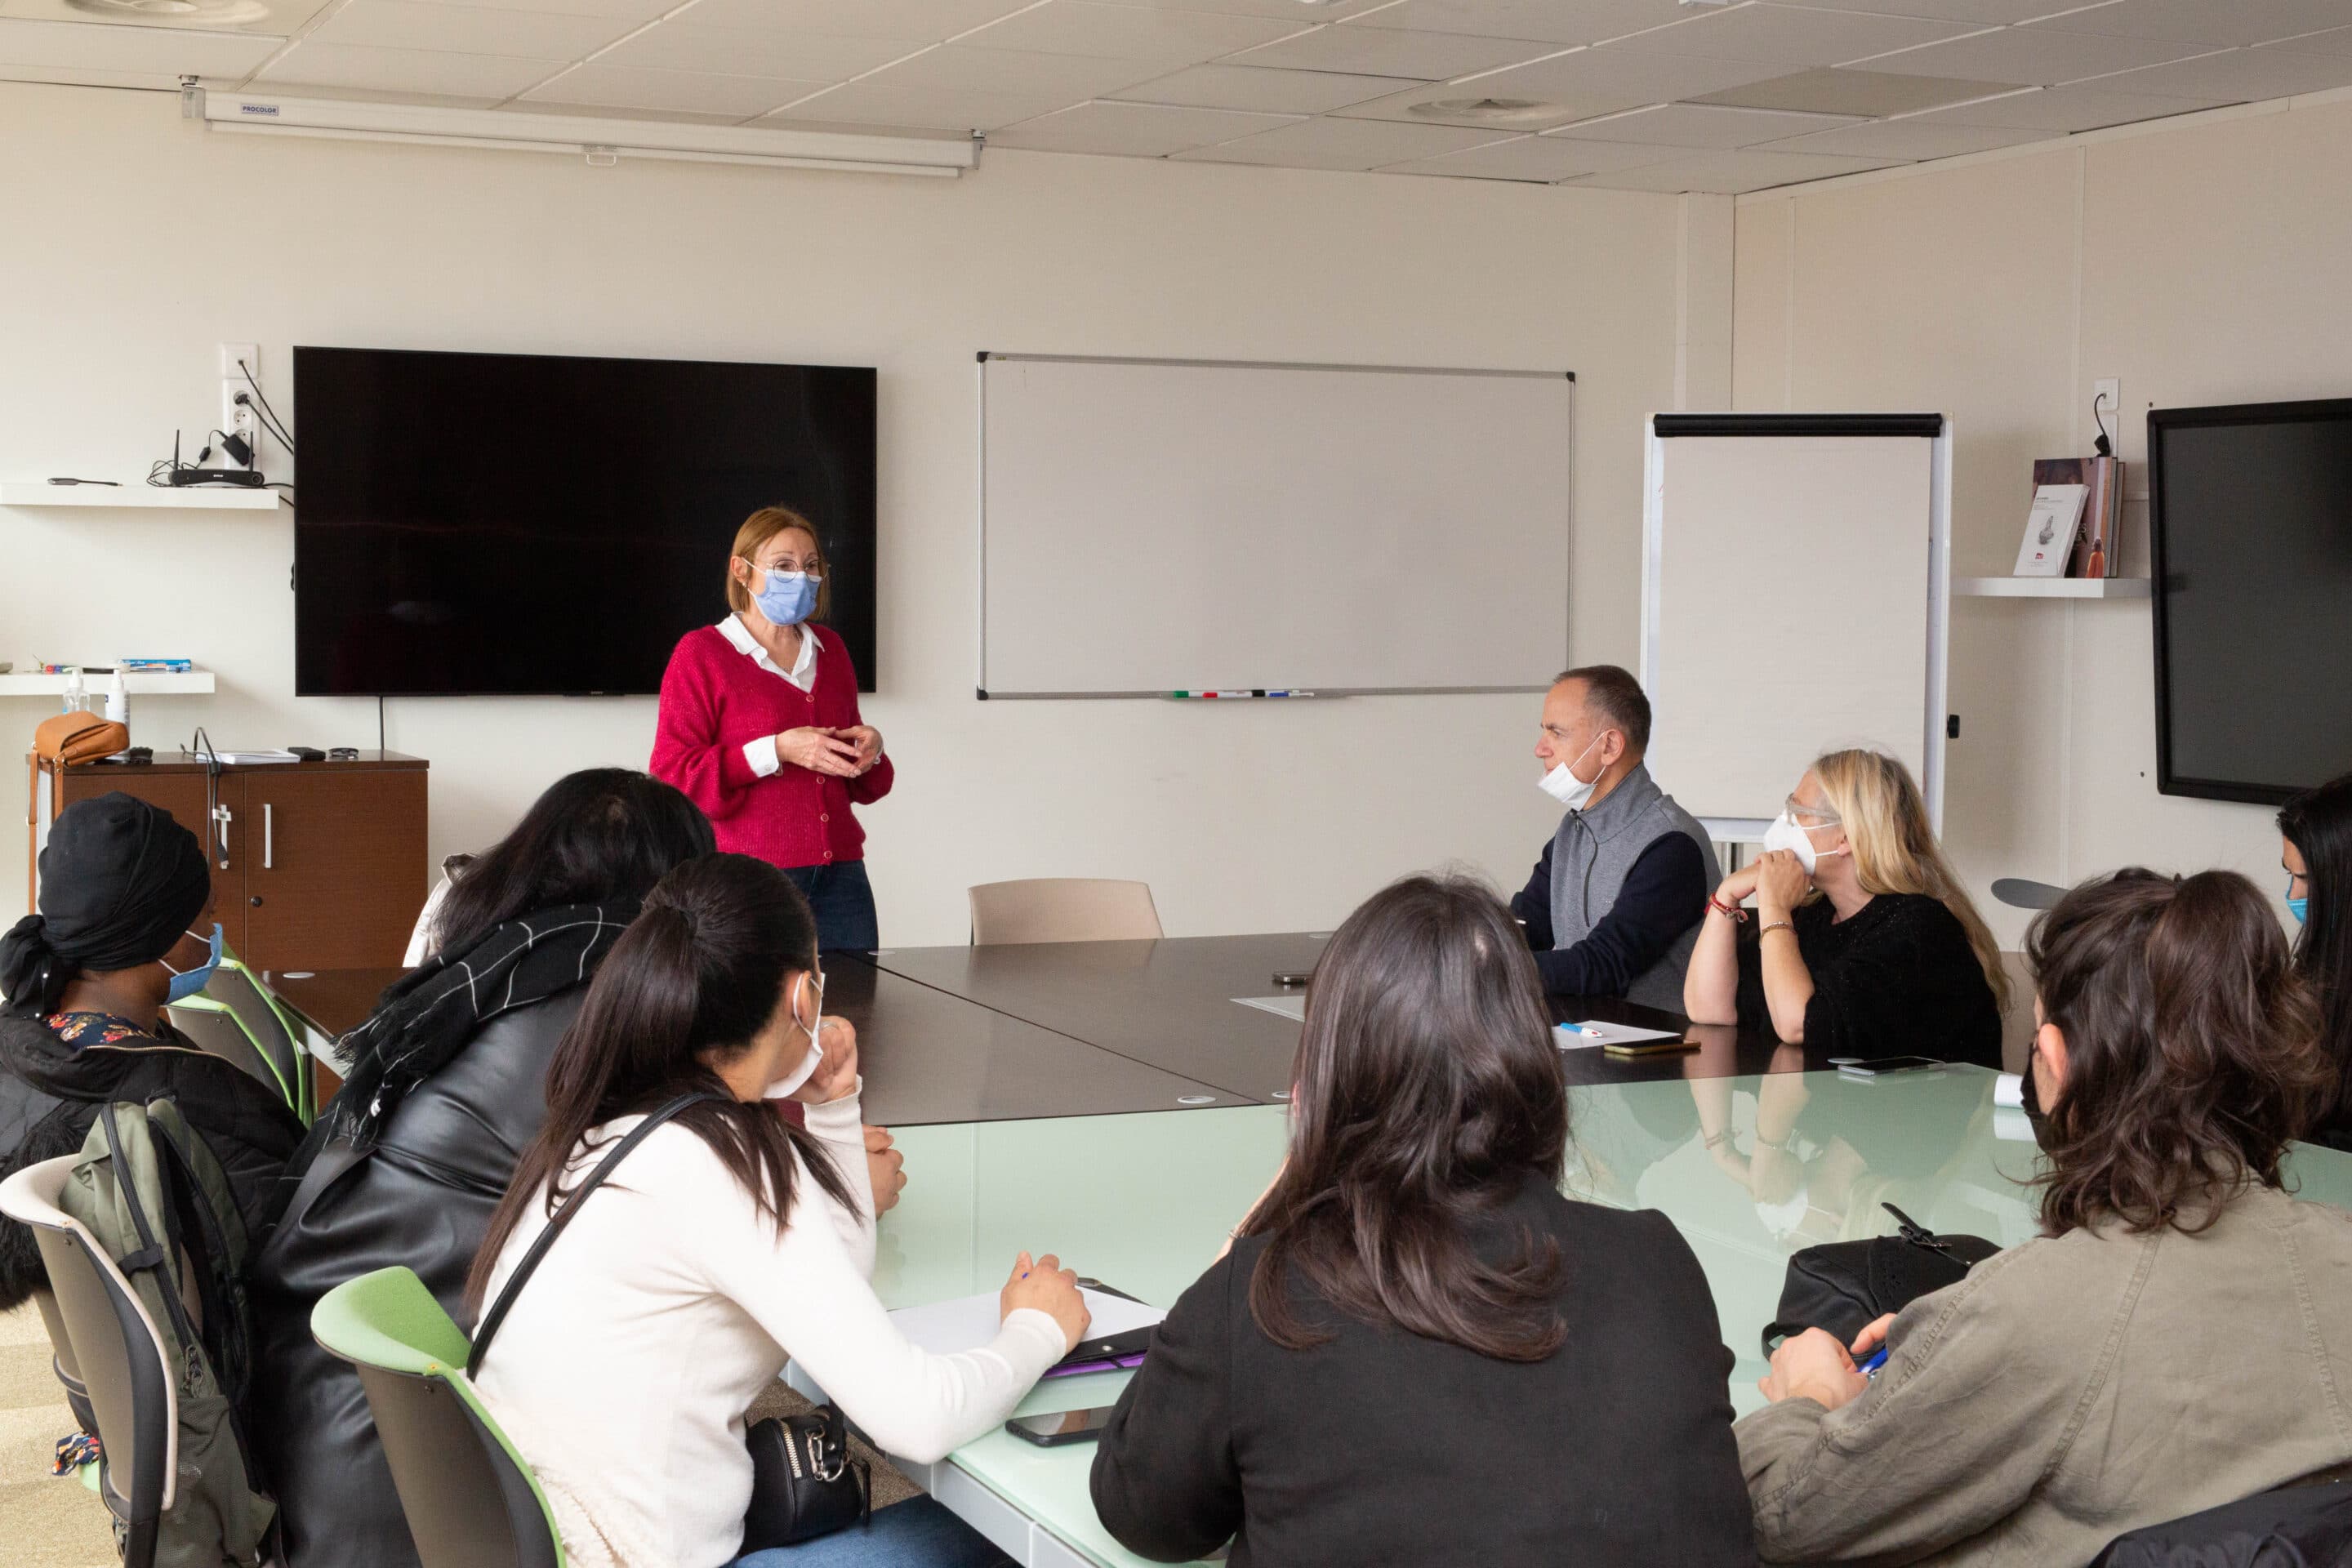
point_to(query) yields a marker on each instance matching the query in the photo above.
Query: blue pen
(1869, 1369)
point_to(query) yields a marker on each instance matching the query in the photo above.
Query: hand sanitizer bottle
(118, 701)
(76, 694)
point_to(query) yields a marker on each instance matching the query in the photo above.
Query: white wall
(2200, 261)
(143, 241)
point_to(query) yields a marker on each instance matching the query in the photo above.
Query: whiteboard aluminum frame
(1750, 829)
(980, 573)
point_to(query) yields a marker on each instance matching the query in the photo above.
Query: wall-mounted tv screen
(472, 524)
(2251, 519)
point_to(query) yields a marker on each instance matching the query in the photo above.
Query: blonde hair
(1895, 850)
(758, 528)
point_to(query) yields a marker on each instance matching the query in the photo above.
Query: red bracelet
(1729, 911)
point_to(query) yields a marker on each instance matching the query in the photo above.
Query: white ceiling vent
(1489, 111)
(276, 17)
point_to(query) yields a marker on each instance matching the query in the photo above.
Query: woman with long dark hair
(444, 1094)
(2177, 1336)
(2315, 853)
(729, 1239)
(1416, 1349)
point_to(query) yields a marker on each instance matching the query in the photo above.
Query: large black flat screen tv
(2250, 517)
(524, 525)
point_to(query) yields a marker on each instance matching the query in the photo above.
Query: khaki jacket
(2070, 1390)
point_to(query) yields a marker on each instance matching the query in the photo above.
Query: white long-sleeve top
(627, 1361)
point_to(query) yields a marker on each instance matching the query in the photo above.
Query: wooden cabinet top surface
(173, 762)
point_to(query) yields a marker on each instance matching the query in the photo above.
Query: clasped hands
(845, 752)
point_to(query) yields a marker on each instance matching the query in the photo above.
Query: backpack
(153, 1196)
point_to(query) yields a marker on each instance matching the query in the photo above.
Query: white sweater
(626, 1366)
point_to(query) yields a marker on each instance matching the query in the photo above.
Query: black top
(1382, 1447)
(55, 1072)
(1898, 979)
(1664, 895)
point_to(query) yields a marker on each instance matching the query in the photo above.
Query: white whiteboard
(1795, 592)
(1150, 526)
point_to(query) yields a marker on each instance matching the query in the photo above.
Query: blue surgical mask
(186, 984)
(788, 597)
(2299, 908)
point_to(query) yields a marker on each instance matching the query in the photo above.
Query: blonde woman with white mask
(1862, 942)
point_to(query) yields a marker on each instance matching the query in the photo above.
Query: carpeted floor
(50, 1521)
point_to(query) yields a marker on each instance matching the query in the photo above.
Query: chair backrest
(61, 1358)
(116, 1349)
(265, 1024)
(470, 1500)
(1062, 908)
(213, 1029)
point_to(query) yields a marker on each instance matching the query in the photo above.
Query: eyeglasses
(1819, 816)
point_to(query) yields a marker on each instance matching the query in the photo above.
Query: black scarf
(429, 1015)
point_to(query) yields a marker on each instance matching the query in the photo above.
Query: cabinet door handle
(268, 847)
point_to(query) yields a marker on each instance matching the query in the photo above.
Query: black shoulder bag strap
(497, 1313)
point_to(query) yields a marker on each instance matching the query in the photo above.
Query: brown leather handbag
(75, 738)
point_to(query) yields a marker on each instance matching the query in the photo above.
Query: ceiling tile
(2082, 107)
(1842, 90)
(1282, 10)
(1734, 174)
(166, 53)
(1792, 36)
(647, 86)
(1393, 51)
(1067, 78)
(924, 21)
(1984, 13)
(877, 100)
(2241, 76)
(1685, 125)
(1263, 89)
(2335, 41)
(792, 57)
(1343, 145)
(2212, 22)
(2032, 56)
(1614, 75)
(432, 71)
(1133, 130)
(1554, 21)
(1132, 32)
(469, 30)
(627, 10)
(1910, 139)
(1545, 158)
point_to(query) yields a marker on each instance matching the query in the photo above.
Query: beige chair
(1062, 908)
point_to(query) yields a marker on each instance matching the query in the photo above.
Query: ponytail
(701, 969)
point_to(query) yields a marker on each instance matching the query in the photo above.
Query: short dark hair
(1429, 1093)
(2192, 1048)
(1611, 691)
(2319, 823)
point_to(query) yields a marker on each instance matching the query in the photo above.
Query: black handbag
(1843, 1287)
(804, 1480)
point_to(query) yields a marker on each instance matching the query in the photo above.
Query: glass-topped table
(1143, 1202)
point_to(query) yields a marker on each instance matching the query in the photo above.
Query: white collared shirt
(761, 753)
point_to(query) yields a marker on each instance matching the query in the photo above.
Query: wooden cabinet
(315, 865)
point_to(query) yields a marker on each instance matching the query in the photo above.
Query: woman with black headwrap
(86, 981)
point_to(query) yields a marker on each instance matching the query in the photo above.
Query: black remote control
(307, 753)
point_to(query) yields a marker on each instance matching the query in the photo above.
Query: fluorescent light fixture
(600, 141)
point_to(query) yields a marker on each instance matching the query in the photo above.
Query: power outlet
(239, 418)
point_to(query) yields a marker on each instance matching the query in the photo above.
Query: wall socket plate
(237, 418)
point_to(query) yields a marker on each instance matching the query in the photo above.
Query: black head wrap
(120, 883)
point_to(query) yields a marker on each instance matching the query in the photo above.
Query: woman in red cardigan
(759, 727)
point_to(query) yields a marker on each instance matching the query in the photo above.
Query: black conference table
(1090, 1028)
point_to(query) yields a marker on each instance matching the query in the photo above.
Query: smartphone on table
(1059, 1427)
(1881, 1067)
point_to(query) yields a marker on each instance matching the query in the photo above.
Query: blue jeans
(844, 901)
(916, 1534)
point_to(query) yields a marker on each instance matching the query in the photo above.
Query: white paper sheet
(967, 1322)
(1593, 1032)
(1292, 1008)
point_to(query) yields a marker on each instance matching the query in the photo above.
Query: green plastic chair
(470, 1498)
(235, 1017)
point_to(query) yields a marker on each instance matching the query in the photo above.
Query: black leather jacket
(422, 1198)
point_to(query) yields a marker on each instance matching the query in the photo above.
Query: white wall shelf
(195, 682)
(2050, 587)
(188, 498)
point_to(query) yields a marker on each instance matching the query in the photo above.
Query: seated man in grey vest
(1615, 905)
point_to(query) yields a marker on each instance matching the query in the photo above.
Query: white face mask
(1786, 833)
(783, 1086)
(1562, 784)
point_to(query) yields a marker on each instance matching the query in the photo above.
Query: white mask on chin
(1787, 832)
(783, 1086)
(1562, 784)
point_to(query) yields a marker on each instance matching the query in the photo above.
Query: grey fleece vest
(1592, 852)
